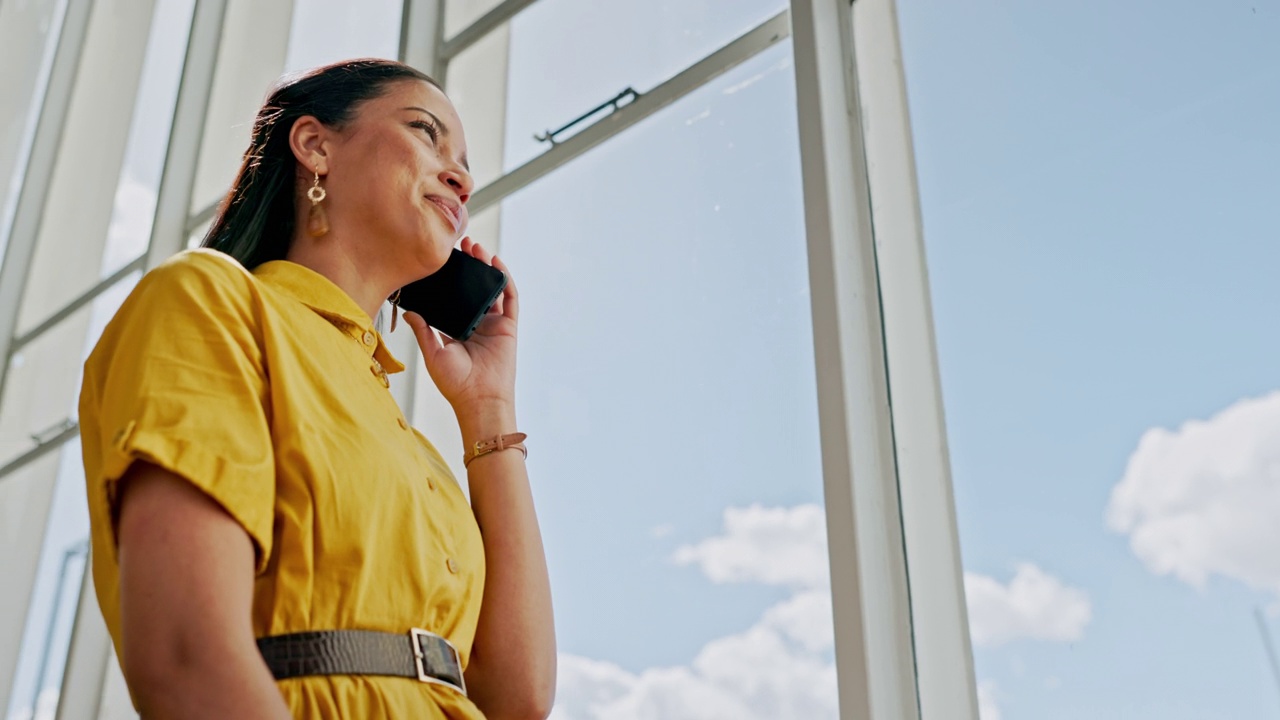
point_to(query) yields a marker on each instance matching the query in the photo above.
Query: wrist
(484, 420)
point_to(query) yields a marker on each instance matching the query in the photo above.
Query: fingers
(510, 298)
(476, 250)
(508, 302)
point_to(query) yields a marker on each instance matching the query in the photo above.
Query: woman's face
(398, 177)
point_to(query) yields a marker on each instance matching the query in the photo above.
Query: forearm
(513, 662)
(208, 685)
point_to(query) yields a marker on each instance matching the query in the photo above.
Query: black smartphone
(455, 298)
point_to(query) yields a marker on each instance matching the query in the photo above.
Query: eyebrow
(444, 129)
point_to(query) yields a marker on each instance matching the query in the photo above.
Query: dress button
(368, 338)
(431, 485)
(453, 566)
(403, 425)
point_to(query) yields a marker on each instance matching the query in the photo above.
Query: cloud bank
(783, 666)
(1033, 606)
(1202, 500)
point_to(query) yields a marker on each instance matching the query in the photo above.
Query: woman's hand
(506, 678)
(479, 374)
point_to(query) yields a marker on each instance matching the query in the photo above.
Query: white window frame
(902, 643)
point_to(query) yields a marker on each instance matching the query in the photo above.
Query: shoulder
(190, 298)
(200, 272)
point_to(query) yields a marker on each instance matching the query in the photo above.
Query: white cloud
(1034, 605)
(783, 666)
(772, 546)
(760, 674)
(988, 709)
(661, 531)
(804, 618)
(583, 685)
(1203, 499)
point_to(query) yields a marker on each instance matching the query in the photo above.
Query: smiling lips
(450, 208)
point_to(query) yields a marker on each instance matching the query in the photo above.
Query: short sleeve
(179, 379)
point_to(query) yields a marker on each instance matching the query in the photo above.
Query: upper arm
(179, 379)
(186, 576)
(175, 424)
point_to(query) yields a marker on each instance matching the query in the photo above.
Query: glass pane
(1099, 185)
(25, 498)
(668, 388)
(197, 236)
(116, 704)
(55, 279)
(251, 58)
(326, 31)
(28, 38)
(569, 56)
(477, 85)
(52, 612)
(41, 395)
(42, 390)
(459, 14)
(149, 134)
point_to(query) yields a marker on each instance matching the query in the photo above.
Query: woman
(252, 479)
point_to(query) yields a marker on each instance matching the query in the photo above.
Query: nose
(459, 178)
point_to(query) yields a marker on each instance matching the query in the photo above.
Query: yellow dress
(265, 390)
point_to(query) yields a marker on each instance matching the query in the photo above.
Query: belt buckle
(420, 659)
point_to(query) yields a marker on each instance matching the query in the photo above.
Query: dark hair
(255, 221)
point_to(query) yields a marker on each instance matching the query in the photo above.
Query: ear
(309, 140)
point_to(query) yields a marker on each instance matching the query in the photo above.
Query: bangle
(494, 444)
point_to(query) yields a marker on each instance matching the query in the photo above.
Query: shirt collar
(330, 302)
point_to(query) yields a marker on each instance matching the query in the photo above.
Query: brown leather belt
(417, 654)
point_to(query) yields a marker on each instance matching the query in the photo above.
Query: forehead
(416, 93)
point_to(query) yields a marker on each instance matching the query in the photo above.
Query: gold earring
(395, 308)
(317, 218)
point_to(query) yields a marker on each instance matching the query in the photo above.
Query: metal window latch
(615, 103)
(45, 436)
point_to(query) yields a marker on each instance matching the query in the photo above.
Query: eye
(428, 126)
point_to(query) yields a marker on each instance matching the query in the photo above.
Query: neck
(338, 261)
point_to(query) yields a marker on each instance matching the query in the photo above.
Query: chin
(422, 251)
(431, 259)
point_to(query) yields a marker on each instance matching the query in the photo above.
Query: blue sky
(1099, 184)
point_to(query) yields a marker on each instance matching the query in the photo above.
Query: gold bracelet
(494, 444)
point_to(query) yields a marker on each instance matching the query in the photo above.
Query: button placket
(380, 373)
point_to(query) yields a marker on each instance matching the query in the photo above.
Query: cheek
(391, 183)
(405, 173)
(381, 164)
